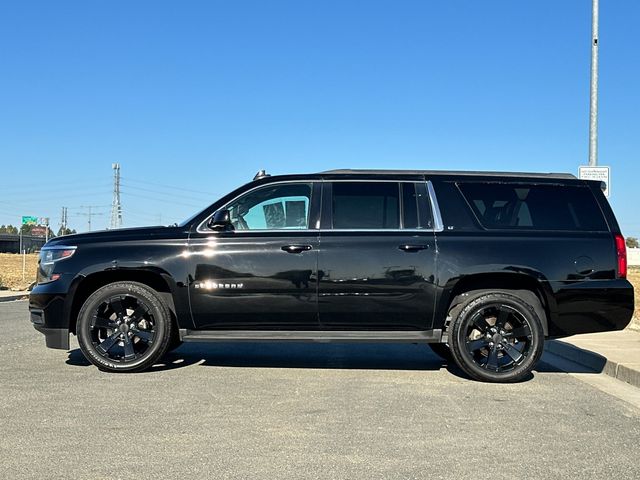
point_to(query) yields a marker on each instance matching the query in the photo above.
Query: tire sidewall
(160, 314)
(458, 337)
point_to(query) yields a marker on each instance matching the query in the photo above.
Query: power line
(165, 200)
(164, 192)
(168, 186)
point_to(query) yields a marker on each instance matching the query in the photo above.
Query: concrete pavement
(316, 411)
(10, 295)
(616, 354)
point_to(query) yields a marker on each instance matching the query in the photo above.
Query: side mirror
(221, 220)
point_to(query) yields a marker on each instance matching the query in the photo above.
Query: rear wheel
(497, 337)
(124, 327)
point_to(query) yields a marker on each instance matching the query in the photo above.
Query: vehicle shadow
(343, 356)
(561, 356)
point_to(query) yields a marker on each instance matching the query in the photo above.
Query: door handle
(413, 248)
(296, 248)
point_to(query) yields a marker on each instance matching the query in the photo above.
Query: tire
(124, 327)
(442, 350)
(496, 337)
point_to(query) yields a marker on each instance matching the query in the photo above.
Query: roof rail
(346, 171)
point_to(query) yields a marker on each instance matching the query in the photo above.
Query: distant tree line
(632, 242)
(26, 230)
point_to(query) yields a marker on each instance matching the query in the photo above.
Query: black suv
(481, 266)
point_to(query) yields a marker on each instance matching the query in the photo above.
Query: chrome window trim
(437, 219)
(438, 226)
(379, 230)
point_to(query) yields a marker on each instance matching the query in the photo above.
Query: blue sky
(192, 98)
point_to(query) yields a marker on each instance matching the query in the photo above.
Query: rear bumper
(591, 306)
(47, 312)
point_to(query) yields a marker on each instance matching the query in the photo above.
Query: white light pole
(593, 111)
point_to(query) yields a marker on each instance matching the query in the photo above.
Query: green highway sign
(26, 220)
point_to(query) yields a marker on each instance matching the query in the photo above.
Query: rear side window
(534, 206)
(366, 205)
(409, 205)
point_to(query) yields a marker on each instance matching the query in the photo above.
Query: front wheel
(124, 327)
(497, 337)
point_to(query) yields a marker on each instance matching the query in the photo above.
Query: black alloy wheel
(498, 338)
(124, 326)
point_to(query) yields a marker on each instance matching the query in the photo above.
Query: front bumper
(49, 314)
(57, 338)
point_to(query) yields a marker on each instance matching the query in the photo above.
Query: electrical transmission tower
(116, 207)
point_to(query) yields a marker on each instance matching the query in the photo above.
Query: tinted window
(409, 206)
(453, 208)
(536, 207)
(366, 205)
(274, 207)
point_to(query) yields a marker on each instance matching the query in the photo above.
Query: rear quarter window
(534, 206)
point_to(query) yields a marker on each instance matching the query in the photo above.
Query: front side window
(366, 205)
(273, 207)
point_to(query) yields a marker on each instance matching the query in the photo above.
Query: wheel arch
(482, 283)
(86, 285)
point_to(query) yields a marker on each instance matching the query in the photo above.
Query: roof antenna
(261, 174)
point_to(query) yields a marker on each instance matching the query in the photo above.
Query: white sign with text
(600, 174)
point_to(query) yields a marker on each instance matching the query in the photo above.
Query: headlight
(49, 256)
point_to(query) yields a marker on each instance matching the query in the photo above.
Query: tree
(632, 242)
(10, 229)
(65, 231)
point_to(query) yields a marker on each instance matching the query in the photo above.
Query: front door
(377, 257)
(262, 274)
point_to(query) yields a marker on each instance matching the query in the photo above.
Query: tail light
(621, 252)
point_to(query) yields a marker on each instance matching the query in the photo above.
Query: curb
(625, 372)
(18, 296)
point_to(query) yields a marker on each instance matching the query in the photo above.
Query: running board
(322, 336)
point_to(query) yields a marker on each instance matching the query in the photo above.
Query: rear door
(376, 263)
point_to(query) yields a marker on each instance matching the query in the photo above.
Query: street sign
(28, 220)
(600, 174)
(39, 231)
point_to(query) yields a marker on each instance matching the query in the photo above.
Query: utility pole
(89, 213)
(593, 111)
(63, 221)
(116, 207)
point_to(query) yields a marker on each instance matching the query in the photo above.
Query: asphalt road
(316, 411)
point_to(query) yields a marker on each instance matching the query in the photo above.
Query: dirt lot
(11, 270)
